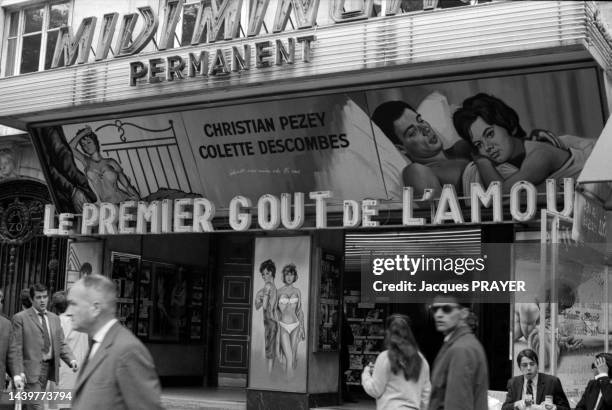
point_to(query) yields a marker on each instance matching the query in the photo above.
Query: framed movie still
(124, 272)
(329, 302)
(279, 329)
(84, 258)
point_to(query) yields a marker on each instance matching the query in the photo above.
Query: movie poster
(362, 144)
(279, 328)
(579, 294)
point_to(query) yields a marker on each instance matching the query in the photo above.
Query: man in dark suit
(598, 393)
(533, 386)
(5, 334)
(460, 378)
(37, 344)
(118, 372)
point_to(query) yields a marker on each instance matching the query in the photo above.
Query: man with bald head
(118, 372)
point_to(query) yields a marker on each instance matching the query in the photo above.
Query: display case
(366, 321)
(124, 272)
(329, 302)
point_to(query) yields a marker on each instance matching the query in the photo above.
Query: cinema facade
(189, 147)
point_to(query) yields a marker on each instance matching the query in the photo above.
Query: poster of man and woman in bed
(358, 144)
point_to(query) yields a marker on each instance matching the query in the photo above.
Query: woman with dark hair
(290, 319)
(400, 376)
(502, 151)
(105, 175)
(266, 299)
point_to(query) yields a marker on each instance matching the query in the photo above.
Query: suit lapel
(98, 357)
(540, 392)
(35, 318)
(521, 382)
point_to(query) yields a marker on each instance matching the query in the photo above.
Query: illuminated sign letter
(256, 16)
(320, 208)
(351, 214)
(298, 210)
(448, 199)
(148, 213)
(71, 48)
(174, 10)
(369, 208)
(125, 45)
(268, 212)
(108, 219)
(181, 214)
(515, 196)
(125, 216)
(407, 204)
(239, 221)
(203, 214)
(340, 14)
(89, 218)
(492, 197)
(211, 18)
(568, 196)
(64, 226)
(109, 22)
(305, 12)
(49, 221)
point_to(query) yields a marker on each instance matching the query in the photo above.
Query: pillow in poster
(436, 110)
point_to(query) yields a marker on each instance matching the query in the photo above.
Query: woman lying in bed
(500, 143)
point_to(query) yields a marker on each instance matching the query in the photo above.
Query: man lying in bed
(432, 166)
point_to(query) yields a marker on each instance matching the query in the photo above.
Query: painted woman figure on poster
(291, 319)
(266, 299)
(504, 152)
(105, 175)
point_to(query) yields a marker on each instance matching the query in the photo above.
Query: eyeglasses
(530, 364)
(447, 308)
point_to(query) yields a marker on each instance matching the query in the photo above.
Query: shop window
(31, 35)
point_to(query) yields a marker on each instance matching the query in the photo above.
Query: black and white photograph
(305, 204)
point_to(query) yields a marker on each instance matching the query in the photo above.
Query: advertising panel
(279, 329)
(363, 144)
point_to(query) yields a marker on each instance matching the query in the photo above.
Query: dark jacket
(547, 385)
(5, 338)
(460, 379)
(589, 397)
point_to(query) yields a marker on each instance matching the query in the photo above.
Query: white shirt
(534, 384)
(49, 354)
(100, 335)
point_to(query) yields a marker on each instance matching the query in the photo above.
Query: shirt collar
(534, 381)
(100, 334)
(37, 312)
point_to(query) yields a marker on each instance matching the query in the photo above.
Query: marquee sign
(219, 20)
(188, 215)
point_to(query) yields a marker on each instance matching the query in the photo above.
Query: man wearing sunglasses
(5, 335)
(534, 388)
(460, 378)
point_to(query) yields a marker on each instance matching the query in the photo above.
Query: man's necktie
(91, 342)
(46, 337)
(530, 387)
